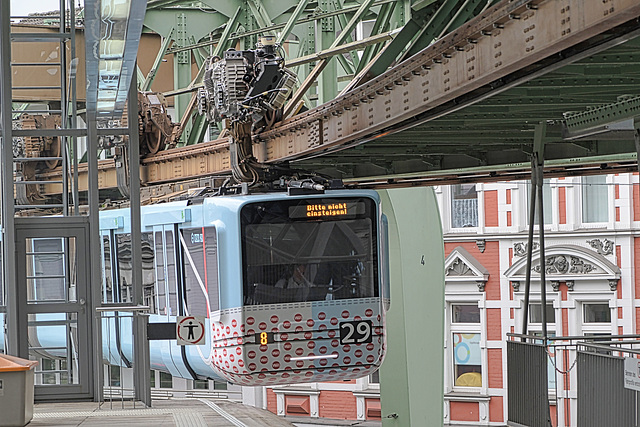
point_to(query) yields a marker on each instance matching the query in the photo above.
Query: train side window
(148, 276)
(123, 256)
(161, 290)
(200, 261)
(108, 270)
(172, 282)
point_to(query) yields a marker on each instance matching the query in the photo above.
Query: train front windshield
(309, 250)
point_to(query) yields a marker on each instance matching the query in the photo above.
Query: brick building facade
(592, 232)
(592, 241)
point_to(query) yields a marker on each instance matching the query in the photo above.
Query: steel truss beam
(509, 37)
(513, 42)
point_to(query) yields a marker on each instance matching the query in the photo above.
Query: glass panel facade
(50, 273)
(595, 199)
(464, 206)
(53, 340)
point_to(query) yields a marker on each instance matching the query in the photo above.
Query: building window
(596, 313)
(219, 385)
(465, 313)
(535, 328)
(114, 376)
(546, 201)
(596, 322)
(374, 378)
(152, 378)
(467, 355)
(535, 313)
(166, 380)
(464, 206)
(595, 199)
(200, 384)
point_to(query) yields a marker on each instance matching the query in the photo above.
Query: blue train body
(293, 287)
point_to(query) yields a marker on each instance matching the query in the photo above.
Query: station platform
(171, 412)
(165, 413)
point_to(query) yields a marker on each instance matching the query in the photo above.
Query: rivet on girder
(472, 41)
(498, 25)
(485, 32)
(514, 16)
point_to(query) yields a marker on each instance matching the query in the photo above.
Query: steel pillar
(412, 376)
(8, 224)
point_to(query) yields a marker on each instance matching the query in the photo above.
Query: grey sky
(25, 7)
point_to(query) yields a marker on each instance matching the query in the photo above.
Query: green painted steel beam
(311, 18)
(626, 108)
(342, 19)
(391, 52)
(381, 24)
(198, 131)
(260, 14)
(292, 21)
(347, 47)
(224, 38)
(139, 76)
(155, 4)
(436, 25)
(166, 41)
(468, 10)
(199, 24)
(313, 75)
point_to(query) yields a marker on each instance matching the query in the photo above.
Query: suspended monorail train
(293, 285)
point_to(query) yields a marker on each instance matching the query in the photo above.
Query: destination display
(326, 210)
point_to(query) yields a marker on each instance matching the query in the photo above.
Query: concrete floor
(163, 413)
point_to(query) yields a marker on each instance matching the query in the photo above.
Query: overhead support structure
(481, 82)
(151, 75)
(537, 200)
(320, 65)
(462, 68)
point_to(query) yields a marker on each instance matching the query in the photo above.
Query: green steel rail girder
(625, 109)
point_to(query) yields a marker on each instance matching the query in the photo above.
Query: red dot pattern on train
(314, 333)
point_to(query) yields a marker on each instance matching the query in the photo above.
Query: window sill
(466, 396)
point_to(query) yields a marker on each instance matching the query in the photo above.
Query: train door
(52, 272)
